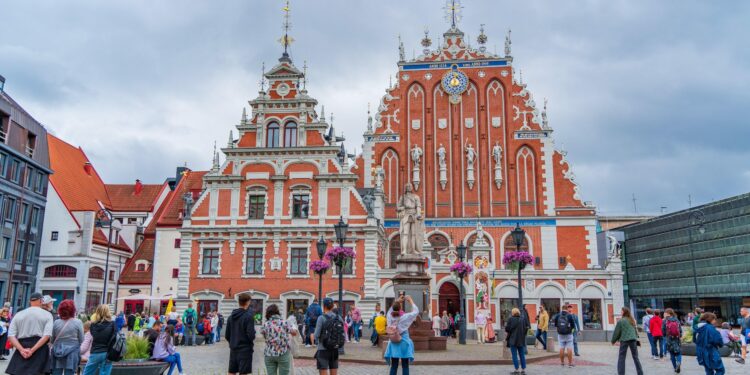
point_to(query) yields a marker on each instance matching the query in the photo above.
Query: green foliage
(530, 332)
(687, 335)
(137, 348)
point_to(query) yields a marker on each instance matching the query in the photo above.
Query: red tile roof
(100, 238)
(145, 251)
(172, 215)
(123, 197)
(79, 190)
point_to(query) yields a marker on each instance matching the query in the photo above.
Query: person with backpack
(627, 336)
(240, 335)
(190, 320)
(576, 329)
(103, 332)
(515, 339)
(165, 351)
(311, 320)
(565, 326)
(400, 347)
(329, 334)
(654, 326)
(672, 330)
(207, 329)
(67, 336)
(152, 335)
(279, 335)
(707, 343)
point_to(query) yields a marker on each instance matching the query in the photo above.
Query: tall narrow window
(210, 264)
(9, 209)
(24, 215)
(30, 144)
(272, 135)
(298, 263)
(35, 218)
(300, 206)
(290, 134)
(256, 207)
(5, 248)
(254, 262)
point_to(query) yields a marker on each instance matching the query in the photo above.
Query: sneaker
(740, 361)
(523, 372)
(571, 365)
(307, 345)
(515, 372)
(577, 355)
(679, 366)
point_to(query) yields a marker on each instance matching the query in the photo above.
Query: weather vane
(286, 40)
(453, 12)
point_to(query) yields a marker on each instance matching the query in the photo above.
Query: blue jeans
(355, 328)
(659, 344)
(218, 334)
(654, 353)
(542, 337)
(98, 364)
(189, 335)
(173, 360)
(718, 371)
(516, 352)
(675, 358)
(575, 342)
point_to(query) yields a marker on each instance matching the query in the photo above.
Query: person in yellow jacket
(542, 325)
(380, 324)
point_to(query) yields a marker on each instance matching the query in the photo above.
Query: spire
(482, 39)
(286, 40)
(304, 76)
(243, 121)
(322, 113)
(453, 13)
(426, 41)
(230, 143)
(215, 167)
(545, 123)
(263, 78)
(507, 44)
(401, 54)
(369, 119)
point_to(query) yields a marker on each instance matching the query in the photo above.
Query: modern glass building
(695, 257)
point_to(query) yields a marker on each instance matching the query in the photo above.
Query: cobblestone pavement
(596, 359)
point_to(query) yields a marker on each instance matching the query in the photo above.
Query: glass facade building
(695, 257)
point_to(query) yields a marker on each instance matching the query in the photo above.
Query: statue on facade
(471, 155)
(379, 177)
(442, 167)
(497, 154)
(409, 211)
(188, 198)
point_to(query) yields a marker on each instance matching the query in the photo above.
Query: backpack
(673, 328)
(190, 319)
(206, 327)
(332, 334)
(563, 324)
(199, 329)
(117, 348)
(393, 334)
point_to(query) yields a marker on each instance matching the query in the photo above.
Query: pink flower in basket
(517, 259)
(461, 268)
(340, 254)
(319, 266)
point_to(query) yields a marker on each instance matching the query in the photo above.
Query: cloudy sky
(649, 98)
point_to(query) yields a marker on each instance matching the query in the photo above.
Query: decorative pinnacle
(286, 40)
(426, 41)
(243, 121)
(304, 76)
(401, 54)
(322, 113)
(482, 38)
(507, 44)
(263, 77)
(453, 12)
(230, 142)
(369, 119)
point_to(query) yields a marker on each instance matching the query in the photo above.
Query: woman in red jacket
(654, 325)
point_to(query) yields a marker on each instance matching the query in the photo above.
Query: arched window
(510, 244)
(60, 270)
(290, 134)
(96, 273)
(394, 250)
(272, 135)
(526, 180)
(438, 243)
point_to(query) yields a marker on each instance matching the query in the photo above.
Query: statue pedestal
(413, 281)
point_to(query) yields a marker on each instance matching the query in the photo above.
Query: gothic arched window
(510, 244)
(438, 243)
(394, 250)
(272, 135)
(290, 134)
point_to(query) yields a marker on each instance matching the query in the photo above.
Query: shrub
(137, 348)
(687, 335)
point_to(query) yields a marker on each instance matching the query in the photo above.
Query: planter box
(530, 340)
(690, 350)
(127, 367)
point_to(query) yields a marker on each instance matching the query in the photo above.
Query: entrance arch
(449, 298)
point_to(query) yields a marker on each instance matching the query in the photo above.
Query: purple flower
(340, 254)
(461, 268)
(517, 258)
(319, 266)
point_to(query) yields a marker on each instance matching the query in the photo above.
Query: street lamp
(321, 246)
(340, 228)
(695, 220)
(462, 324)
(104, 219)
(518, 236)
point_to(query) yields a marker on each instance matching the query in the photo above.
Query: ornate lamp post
(340, 228)
(461, 273)
(518, 236)
(696, 220)
(321, 247)
(104, 220)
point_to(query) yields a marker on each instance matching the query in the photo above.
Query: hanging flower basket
(319, 266)
(517, 259)
(340, 255)
(461, 268)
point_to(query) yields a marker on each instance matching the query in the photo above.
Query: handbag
(57, 352)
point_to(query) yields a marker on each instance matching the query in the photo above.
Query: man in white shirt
(646, 320)
(29, 332)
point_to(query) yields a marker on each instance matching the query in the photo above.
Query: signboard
(436, 223)
(531, 134)
(461, 65)
(134, 291)
(383, 138)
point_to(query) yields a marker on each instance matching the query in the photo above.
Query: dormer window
(272, 135)
(290, 134)
(30, 144)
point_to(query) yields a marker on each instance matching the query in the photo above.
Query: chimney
(138, 187)
(88, 168)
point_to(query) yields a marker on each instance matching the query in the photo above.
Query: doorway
(205, 307)
(133, 306)
(449, 298)
(552, 305)
(293, 305)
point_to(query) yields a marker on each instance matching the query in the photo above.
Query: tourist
(5, 324)
(436, 321)
(696, 318)
(138, 325)
(380, 327)
(102, 331)
(480, 321)
(490, 331)
(356, 322)
(29, 332)
(131, 322)
(67, 336)
(151, 320)
(152, 335)
(173, 316)
(240, 335)
(744, 333)
(279, 335)
(444, 324)
(348, 326)
(165, 351)
(327, 360)
(400, 322)
(311, 320)
(299, 317)
(119, 321)
(48, 303)
(374, 334)
(190, 320)
(647, 328)
(515, 339)
(654, 326)
(179, 332)
(707, 343)
(576, 329)
(672, 330)
(214, 325)
(85, 348)
(542, 326)
(565, 325)
(207, 331)
(627, 336)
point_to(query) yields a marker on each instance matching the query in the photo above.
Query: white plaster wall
(166, 257)
(56, 218)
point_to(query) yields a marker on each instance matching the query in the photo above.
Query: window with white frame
(300, 205)
(254, 261)
(210, 261)
(298, 261)
(256, 205)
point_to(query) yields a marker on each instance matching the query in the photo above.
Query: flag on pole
(170, 306)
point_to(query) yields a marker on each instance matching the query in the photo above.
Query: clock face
(282, 89)
(455, 82)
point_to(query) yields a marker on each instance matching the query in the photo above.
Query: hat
(327, 303)
(48, 299)
(35, 296)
